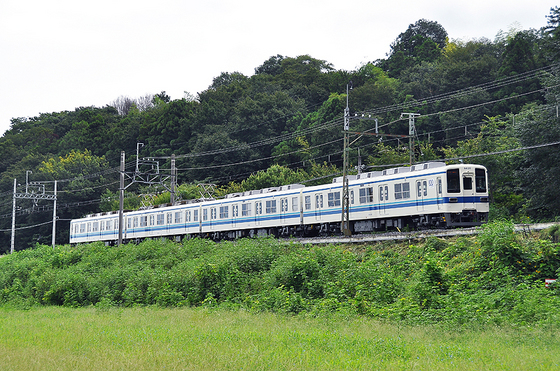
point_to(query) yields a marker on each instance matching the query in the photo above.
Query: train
(426, 195)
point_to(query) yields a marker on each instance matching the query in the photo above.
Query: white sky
(56, 55)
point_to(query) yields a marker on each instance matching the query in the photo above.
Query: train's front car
(466, 195)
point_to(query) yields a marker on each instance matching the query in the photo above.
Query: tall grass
(148, 338)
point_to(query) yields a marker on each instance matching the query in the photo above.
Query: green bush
(495, 278)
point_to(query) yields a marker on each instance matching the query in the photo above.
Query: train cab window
(467, 183)
(307, 202)
(366, 195)
(453, 183)
(195, 215)
(178, 216)
(334, 199)
(318, 201)
(224, 212)
(295, 204)
(246, 209)
(270, 206)
(439, 186)
(480, 180)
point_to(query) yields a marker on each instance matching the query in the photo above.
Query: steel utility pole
(35, 195)
(345, 223)
(411, 133)
(121, 199)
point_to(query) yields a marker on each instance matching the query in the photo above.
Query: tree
(551, 39)
(421, 42)
(272, 66)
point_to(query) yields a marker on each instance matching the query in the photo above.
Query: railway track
(399, 236)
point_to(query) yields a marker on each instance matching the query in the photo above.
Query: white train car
(420, 196)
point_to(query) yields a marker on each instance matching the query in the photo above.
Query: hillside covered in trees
(492, 102)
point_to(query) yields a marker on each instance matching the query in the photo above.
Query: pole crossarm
(35, 196)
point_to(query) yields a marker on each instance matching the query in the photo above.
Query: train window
(178, 216)
(318, 201)
(224, 211)
(135, 221)
(187, 216)
(295, 204)
(258, 208)
(366, 195)
(82, 227)
(307, 202)
(108, 225)
(453, 184)
(467, 183)
(234, 211)
(101, 226)
(152, 219)
(143, 221)
(246, 209)
(204, 214)
(352, 197)
(425, 187)
(195, 215)
(402, 191)
(160, 219)
(418, 189)
(213, 213)
(439, 185)
(89, 227)
(169, 218)
(334, 199)
(129, 223)
(270, 206)
(480, 180)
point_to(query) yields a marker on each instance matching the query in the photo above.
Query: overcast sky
(56, 55)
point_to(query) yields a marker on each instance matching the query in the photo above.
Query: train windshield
(453, 181)
(480, 180)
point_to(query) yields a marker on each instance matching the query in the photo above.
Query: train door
(421, 193)
(258, 212)
(439, 192)
(318, 205)
(234, 214)
(283, 209)
(383, 198)
(468, 191)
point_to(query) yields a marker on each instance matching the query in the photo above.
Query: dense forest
(493, 102)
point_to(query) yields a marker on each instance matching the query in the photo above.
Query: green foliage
(495, 278)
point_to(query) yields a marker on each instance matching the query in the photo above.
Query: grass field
(150, 338)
